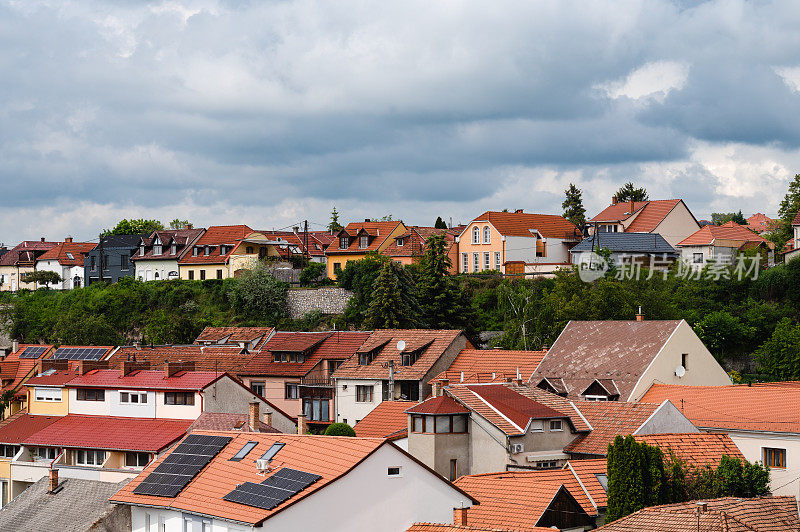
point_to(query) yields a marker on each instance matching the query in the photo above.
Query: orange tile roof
(181, 237)
(761, 223)
(586, 471)
(330, 457)
(385, 341)
(221, 358)
(706, 235)
(387, 420)
(608, 419)
(434, 527)
(658, 520)
(763, 407)
(26, 251)
(78, 250)
(442, 404)
(15, 371)
(234, 335)
(696, 449)
(227, 421)
(518, 499)
(414, 241)
(215, 236)
(377, 231)
(522, 223)
(18, 427)
(648, 214)
(491, 365)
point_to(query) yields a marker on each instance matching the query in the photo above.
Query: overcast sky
(267, 113)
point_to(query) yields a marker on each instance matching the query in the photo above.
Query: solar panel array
(181, 465)
(34, 351)
(277, 489)
(79, 353)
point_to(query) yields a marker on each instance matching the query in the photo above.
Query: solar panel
(79, 353)
(275, 490)
(181, 465)
(33, 351)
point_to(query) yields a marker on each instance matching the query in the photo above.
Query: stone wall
(328, 300)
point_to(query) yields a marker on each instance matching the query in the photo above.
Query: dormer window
(173, 249)
(363, 242)
(195, 251)
(141, 250)
(400, 242)
(365, 359)
(157, 249)
(344, 242)
(207, 251)
(476, 235)
(223, 250)
(248, 250)
(70, 256)
(408, 359)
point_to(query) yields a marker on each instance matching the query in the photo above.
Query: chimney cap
(613, 200)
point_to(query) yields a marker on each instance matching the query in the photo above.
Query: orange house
(410, 246)
(357, 239)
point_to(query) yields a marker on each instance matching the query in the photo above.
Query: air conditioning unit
(262, 465)
(517, 448)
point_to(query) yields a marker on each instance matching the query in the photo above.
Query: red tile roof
(518, 499)
(110, 432)
(696, 449)
(762, 223)
(78, 250)
(26, 252)
(226, 421)
(491, 365)
(387, 420)
(215, 236)
(17, 428)
(617, 350)
(338, 345)
(708, 234)
(522, 223)
(433, 342)
(182, 237)
(587, 471)
(648, 214)
(145, 380)
(15, 370)
(608, 419)
(377, 231)
(227, 359)
(770, 407)
(234, 335)
(414, 241)
(442, 404)
(54, 378)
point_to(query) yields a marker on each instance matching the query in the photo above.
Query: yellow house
(357, 239)
(210, 255)
(47, 395)
(16, 368)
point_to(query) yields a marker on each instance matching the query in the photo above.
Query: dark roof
(627, 242)
(121, 241)
(76, 505)
(226, 421)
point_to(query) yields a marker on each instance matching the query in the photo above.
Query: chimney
(171, 368)
(444, 384)
(88, 365)
(58, 365)
(129, 366)
(252, 420)
(295, 229)
(268, 418)
(639, 315)
(302, 426)
(631, 207)
(702, 506)
(435, 391)
(508, 379)
(42, 239)
(53, 484)
(519, 382)
(519, 211)
(138, 345)
(613, 200)
(68, 239)
(460, 516)
(187, 226)
(14, 346)
(544, 349)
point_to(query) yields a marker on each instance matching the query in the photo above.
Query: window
(363, 394)
(602, 478)
(46, 453)
(476, 235)
(248, 250)
(202, 275)
(244, 451)
(685, 360)
(316, 409)
(207, 250)
(363, 242)
(195, 251)
(123, 262)
(136, 459)
(194, 523)
(92, 263)
(157, 249)
(8, 451)
(219, 274)
(555, 425)
(365, 359)
(223, 249)
(596, 397)
(292, 391)
(191, 275)
(337, 268)
(417, 423)
(173, 249)
(272, 451)
(344, 242)
(141, 250)
(393, 471)
(487, 235)
(459, 424)
(399, 242)
(133, 397)
(775, 458)
(70, 256)
(89, 457)
(546, 464)
(258, 388)
(89, 394)
(464, 262)
(105, 262)
(486, 264)
(537, 425)
(497, 261)
(179, 398)
(47, 394)
(443, 424)
(697, 258)
(408, 359)
(476, 262)
(453, 469)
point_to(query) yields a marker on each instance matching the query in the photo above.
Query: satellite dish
(680, 371)
(401, 345)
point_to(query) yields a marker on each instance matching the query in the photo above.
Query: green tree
(722, 333)
(720, 218)
(179, 224)
(438, 292)
(392, 306)
(359, 276)
(138, 226)
(573, 206)
(257, 294)
(636, 477)
(6, 398)
(779, 356)
(340, 429)
(629, 191)
(440, 224)
(787, 210)
(334, 226)
(311, 273)
(43, 277)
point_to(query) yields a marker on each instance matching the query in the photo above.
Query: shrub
(340, 429)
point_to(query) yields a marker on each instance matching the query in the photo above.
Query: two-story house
(293, 371)
(16, 368)
(210, 255)
(408, 247)
(357, 239)
(19, 261)
(669, 218)
(393, 364)
(67, 260)
(159, 252)
(721, 244)
(792, 248)
(110, 260)
(516, 243)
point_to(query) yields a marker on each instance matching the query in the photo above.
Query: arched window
(487, 235)
(476, 235)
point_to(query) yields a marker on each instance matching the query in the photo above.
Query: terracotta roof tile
(730, 231)
(18, 427)
(145, 380)
(377, 231)
(656, 520)
(491, 365)
(15, 371)
(54, 378)
(442, 404)
(182, 237)
(587, 472)
(761, 223)
(697, 449)
(648, 214)
(26, 251)
(608, 419)
(771, 407)
(522, 223)
(78, 250)
(234, 335)
(387, 420)
(215, 236)
(414, 241)
(224, 359)
(434, 527)
(110, 432)
(226, 421)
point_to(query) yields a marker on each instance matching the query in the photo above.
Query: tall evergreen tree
(440, 224)
(437, 290)
(392, 305)
(334, 225)
(573, 206)
(636, 477)
(788, 209)
(629, 191)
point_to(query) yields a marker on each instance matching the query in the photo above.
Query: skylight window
(244, 451)
(272, 451)
(70, 256)
(602, 478)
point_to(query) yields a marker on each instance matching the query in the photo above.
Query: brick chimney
(445, 383)
(129, 366)
(631, 207)
(68, 239)
(613, 200)
(88, 365)
(268, 418)
(519, 382)
(639, 315)
(42, 239)
(187, 226)
(171, 368)
(460, 516)
(519, 211)
(302, 426)
(436, 387)
(53, 484)
(252, 420)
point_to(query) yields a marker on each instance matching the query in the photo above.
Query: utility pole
(100, 259)
(391, 380)
(305, 239)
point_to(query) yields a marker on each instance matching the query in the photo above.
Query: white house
(279, 482)
(66, 259)
(159, 252)
(720, 244)
(670, 218)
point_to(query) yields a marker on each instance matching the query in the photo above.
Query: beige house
(210, 255)
(19, 261)
(669, 218)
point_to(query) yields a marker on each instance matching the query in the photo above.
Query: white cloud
(652, 80)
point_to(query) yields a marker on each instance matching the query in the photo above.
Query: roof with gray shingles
(75, 507)
(627, 242)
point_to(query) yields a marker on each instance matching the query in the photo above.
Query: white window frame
(363, 242)
(556, 425)
(126, 396)
(361, 395)
(50, 395)
(476, 262)
(537, 425)
(487, 264)
(695, 257)
(596, 397)
(465, 262)
(98, 456)
(487, 235)
(497, 261)
(476, 235)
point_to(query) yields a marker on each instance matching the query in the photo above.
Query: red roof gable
(516, 407)
(650, 214)
(442, 404)
(145, 380)
(26, 251)
(378, 233)
(214, 237)
(729, 231)
(522, 223)
(78, 250)
(387, 420)
(488, 365)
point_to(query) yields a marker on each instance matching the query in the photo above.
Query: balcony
(317, 382)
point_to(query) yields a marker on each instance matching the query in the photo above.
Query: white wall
(92, 408)
(782, 481)
(346, 405)
(155, 407)
(146, 269)
(677, 225)
(67, 273)
(116, 408)
(178, 411)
